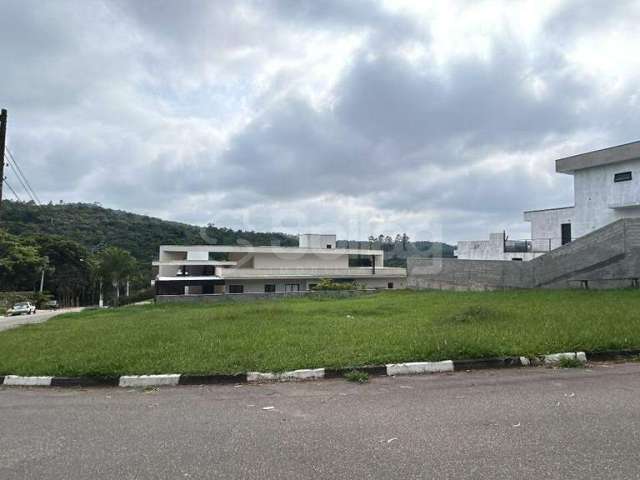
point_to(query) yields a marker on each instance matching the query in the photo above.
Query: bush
(328, 284)
(139, 296)
(357, 376)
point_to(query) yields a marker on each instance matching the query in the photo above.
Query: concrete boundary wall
(248, 297)
(606, 258)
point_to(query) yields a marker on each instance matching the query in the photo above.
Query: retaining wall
(607, 258)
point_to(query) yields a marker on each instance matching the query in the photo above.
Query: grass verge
(334, 333)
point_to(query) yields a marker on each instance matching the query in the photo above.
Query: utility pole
(3, 139)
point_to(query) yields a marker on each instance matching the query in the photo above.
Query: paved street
(533, 423)
(40, 316)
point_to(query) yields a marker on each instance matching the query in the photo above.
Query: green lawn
(304, 333)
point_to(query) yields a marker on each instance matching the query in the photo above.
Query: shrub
(328, 284)
(139, 296)
(357, 376)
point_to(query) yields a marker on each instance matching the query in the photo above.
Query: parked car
(22, 308)
(51, 305)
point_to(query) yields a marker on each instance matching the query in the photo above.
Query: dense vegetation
(302, 333)
(95, 228)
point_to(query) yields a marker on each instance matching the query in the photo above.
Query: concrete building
(606, 189)
(222, 270)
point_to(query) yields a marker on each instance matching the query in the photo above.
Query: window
(328, 245)
(292, 287)
(390, 285)
(270, 288)
(236, 288)
(516, 259)
(622, 177)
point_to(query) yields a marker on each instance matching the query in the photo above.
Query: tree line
(67, 270)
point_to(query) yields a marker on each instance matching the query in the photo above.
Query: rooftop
(606, 156)
(273, 249)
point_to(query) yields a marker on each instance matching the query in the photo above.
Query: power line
(24, 187)
(11, 188)
(31, 191)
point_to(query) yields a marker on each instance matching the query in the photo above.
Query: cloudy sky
(441, 119)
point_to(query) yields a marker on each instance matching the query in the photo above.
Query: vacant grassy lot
(299, 333)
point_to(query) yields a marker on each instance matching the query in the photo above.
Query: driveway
(40, 316)
(515, 424)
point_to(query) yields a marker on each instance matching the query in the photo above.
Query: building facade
(606, 189)
(222, 270)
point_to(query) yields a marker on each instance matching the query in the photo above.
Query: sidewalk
(42, 316)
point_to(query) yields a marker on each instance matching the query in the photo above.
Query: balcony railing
(535, 245)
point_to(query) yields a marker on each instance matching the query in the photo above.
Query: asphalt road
(511, 424)
(39, 317)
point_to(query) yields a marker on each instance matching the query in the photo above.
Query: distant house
(606, 189)
(224, 269)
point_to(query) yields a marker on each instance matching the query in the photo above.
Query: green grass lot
(304, 333)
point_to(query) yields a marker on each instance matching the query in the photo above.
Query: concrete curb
(391, 369)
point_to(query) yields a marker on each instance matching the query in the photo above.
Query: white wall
(596, 192)
(492, 249)
(297, 260)
(312, 240)
(546, 230)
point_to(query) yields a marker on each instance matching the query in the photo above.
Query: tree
(68, 273)
(20, 263)
(388, 244)
(405, 240)
(116, 266)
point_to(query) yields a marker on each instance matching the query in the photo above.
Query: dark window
(565, 233)
(622, 177)
(390, 285)
(292, 287)
(516, 259)
(236, 288)
(269, 288)
(328, 245)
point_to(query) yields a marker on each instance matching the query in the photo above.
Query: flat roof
(596, 158)
(291, 250)
(548, 209)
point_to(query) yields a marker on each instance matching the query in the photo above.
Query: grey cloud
(111, 101)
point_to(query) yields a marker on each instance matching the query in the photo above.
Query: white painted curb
(305, 374)
(415, 368)
(555, 358)
(27, 381)
(149, 380)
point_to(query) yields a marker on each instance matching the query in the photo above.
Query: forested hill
(96, 227)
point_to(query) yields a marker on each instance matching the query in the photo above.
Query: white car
(22, 308)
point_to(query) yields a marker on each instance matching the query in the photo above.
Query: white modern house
(606, 188)
(224, 269)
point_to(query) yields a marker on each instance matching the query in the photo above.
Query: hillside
(95, 227)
